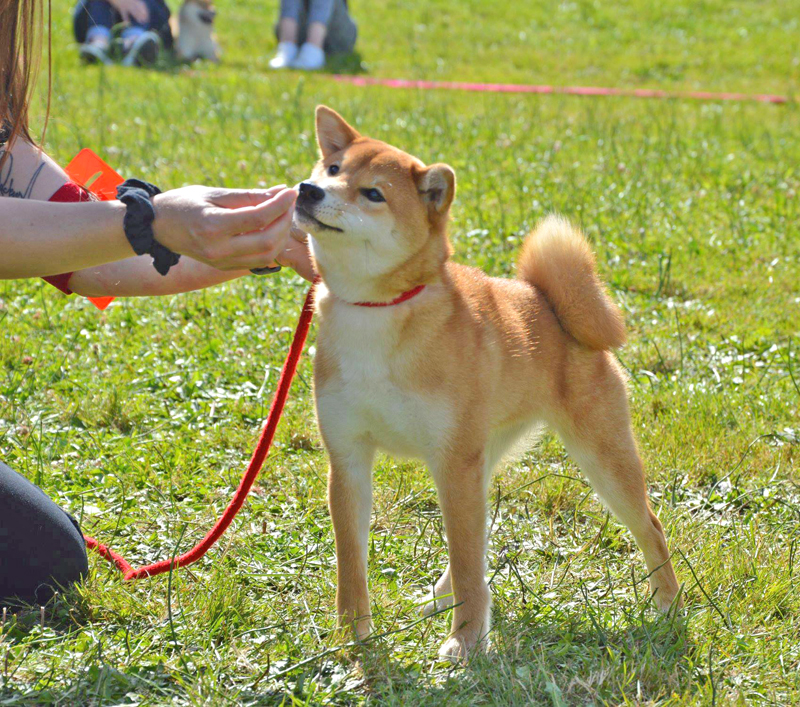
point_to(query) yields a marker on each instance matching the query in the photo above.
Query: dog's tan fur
(458, 374)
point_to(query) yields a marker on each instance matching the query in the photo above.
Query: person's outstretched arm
(39, 239)
(209, 225)
(232, 230)
(136, 277)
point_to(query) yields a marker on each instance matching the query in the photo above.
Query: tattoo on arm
(7, 186)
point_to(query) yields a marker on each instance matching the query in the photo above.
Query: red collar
(397, 300)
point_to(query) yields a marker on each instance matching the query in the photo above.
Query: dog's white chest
(374, 396)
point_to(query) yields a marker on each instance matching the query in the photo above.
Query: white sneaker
(286, 54)
(310, 58)
(95, 51)
(142, 50)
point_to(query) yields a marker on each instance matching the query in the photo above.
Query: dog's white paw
(454, 649)
(666, 594)
(457, 649)
(668, 604)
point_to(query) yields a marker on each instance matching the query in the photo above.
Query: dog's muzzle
(309, 194)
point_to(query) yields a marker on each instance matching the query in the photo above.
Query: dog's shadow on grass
(559, 656)
(559, 660)
(351, 64)
(565, 659)
(540, 654)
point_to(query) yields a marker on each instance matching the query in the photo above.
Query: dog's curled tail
(557, 259)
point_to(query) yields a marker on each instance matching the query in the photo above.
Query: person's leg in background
(41, 546)
(342, 30)
(92, 23)
(288, 33)
(312, 53)
(142, 40)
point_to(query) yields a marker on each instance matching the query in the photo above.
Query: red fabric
(68, 193)
(60, 282)
(397, 300)
(71, 192)
(249, 477)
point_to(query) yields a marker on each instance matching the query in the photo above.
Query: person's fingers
(240, 198)
(254, 218)
(265, 244)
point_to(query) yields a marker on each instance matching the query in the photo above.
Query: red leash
(256, 462)
(569, 90)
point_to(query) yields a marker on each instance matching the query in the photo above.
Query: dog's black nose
(311, 192)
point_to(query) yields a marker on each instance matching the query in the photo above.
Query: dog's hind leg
(597, 433)
(350, 504)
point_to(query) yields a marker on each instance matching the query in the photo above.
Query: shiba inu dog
(195, 31)
(432, 360)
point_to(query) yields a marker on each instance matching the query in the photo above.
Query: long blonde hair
(21, 23)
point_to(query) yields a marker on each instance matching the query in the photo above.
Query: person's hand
(229, 229)
(132, 10)
(297, 256)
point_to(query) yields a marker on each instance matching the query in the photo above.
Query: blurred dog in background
(195, 38)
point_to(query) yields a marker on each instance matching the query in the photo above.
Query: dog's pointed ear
(437, 185)
(333, 131)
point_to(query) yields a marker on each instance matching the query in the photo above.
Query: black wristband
(266, 271)
(138, 223)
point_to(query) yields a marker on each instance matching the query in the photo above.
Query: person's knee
(77, 561)
(68, 567)
(42, 549)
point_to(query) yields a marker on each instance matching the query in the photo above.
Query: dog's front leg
(350, 504)
(461, 483)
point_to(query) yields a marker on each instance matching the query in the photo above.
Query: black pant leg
(91, 13)
(41, 546)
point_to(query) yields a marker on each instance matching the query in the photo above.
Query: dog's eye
(373, 195)
(333, 169)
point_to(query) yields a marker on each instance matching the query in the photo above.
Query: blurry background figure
(310, 29)
(146, 31)
(195, 31)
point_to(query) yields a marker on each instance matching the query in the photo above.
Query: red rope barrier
(570, 90)
(249, 477)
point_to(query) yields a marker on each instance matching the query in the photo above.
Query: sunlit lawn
(140, 419)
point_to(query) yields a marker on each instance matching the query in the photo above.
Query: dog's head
(201, 12)
(376, 215)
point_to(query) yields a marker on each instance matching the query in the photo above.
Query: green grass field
(140, 420)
